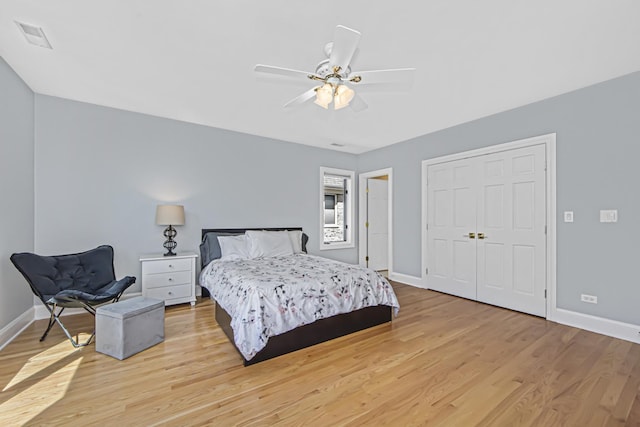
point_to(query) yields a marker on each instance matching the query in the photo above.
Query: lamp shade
(170, 215)
(324, 95)
(344, 95)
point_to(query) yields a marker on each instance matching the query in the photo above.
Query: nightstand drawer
(169, 293)
(167, 266)
(166, 279)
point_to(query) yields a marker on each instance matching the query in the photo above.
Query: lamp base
(170, 244)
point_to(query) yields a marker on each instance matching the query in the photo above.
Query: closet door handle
(471, 235)
(481, 236)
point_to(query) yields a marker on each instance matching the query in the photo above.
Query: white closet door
(451, 198)
(378, 220)
(500, 200)
(511, 217)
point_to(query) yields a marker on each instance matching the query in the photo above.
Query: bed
(266, 329)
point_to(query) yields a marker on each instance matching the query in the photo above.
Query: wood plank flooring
(443, 361)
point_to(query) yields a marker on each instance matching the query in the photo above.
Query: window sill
(341, 245)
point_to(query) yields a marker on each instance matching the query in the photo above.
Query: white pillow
(269, 244)
(234, 247)
(296, 240)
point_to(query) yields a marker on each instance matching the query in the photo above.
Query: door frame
(362, 215)
(549, 140)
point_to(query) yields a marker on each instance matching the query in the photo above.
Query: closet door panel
(512, 218)
(451, 216)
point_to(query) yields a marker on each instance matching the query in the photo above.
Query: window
(330, 210)
(336, 200)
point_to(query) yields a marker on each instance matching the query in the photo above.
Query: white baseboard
(406, 279)
(600, 325)
(17, 325)
(41, 311)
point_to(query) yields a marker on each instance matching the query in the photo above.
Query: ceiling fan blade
(281, 71)
(345, 42)
(398, 75)
(357, 104)
(302, 98)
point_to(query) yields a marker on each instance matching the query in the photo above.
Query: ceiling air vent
(34, 35)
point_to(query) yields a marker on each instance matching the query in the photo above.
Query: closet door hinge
(426, 271)
(545, 294)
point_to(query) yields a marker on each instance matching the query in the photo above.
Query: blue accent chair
(84, 280)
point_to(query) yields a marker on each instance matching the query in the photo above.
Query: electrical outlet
(591, 299)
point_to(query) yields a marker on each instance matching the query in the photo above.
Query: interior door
(451, 219)
(378, 223)
(511, 230)
(486, 236)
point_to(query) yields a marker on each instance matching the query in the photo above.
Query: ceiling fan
(335, 75)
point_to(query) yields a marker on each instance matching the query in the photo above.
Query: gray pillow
(210, 247)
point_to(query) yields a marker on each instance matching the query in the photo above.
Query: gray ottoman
(130, 326)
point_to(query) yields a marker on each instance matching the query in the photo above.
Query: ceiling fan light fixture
(323, 105)
(343, 97)
(324, 95)
(338, 105)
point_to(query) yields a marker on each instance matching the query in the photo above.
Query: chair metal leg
(52, 320)
(56, 319)
(74, 342)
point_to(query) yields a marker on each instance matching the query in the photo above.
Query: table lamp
(170, 215)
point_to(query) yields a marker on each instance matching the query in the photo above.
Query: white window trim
(349, 202)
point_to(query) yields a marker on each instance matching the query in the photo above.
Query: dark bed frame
(307, 335)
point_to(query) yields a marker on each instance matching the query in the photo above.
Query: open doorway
(375, 219)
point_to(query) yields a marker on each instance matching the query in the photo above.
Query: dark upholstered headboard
(210, 248)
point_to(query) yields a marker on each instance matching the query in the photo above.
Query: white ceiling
(193, 60)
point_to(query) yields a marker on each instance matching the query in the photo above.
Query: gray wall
(598, 146)
(16, 190)
(100, 173)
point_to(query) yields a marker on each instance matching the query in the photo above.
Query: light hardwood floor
(442, 361)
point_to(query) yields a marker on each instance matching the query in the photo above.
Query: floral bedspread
(269, 296)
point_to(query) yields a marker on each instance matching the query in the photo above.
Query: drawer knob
(170, 265)
(171, 279)
(170, 293)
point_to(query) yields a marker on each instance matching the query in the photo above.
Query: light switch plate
(609, 216)
(568, 216)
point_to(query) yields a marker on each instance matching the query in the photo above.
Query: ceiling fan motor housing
(323, 69)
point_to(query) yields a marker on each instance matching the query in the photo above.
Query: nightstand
(170, 278)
